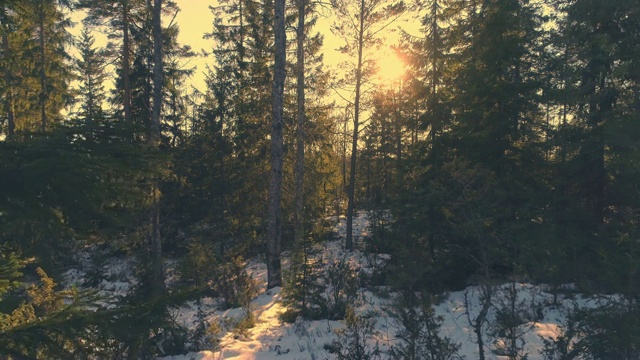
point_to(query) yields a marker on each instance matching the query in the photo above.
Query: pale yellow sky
(195, 19)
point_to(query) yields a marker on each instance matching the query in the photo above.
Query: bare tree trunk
(43, 73)
(157, 71)
(157, 273)
(274, 233)
(300, 131)
(354, 144)
(8, 101)
(477, 323)
(125, 62)
(398, 131)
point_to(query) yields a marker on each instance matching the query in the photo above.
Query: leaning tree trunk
(274, 234)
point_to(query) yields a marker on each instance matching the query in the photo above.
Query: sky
(195, 19)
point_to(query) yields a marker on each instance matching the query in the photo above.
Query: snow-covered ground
(270, 338)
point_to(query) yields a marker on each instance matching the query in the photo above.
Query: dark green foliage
(63, 185)
(10, 270)
(341, 281)
(197, 196)
(420, 332)
(92, 74)
(206, 335)
(145, 329)
(302, 288)
(44, 321)
(609, 331)
(233, 283)
(39, 70)
(353, 342)
(205, 270)
(513, 318)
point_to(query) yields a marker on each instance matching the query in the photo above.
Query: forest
(508, 153)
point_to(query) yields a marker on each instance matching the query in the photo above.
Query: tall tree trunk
(157, 71)
(126, 71)
(300, 136)
(300, 131)
(157, 273)
(8, 101)
(398, 131)
(274, 233)
(354, 143)
(43, 73)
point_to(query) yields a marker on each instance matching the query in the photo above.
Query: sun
(391, 68)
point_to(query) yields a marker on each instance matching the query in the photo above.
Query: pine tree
(274, 235)
(359, 23)
(91, 70)
(39, 42)
(593, 135)
(240, 96)
(117, 16)
(8, 63)
(496, 122)
(299, 217)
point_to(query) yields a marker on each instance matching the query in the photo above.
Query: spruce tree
(359, 24)
(8, 63)
(91, 70)
(39, 41)
(117, 17)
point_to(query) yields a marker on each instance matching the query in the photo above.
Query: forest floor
(271, 338)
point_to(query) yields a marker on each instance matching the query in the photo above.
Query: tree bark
(125, 62)
(274, 233)
(300, 131)
(8, 101)
(157, 272)
(157, 71)
(354, 143)
(43, 73)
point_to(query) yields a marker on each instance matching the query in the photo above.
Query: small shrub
(512, 321)
(420, 333)
(206, 335)
(342, 288)
(610, 331)
(351, 343)
(302, 290)
(234, 285)
(289, 316)
(244, 324)
(225, 278)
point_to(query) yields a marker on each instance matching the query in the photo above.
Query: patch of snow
(272, 339)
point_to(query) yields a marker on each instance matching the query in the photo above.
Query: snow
(270, 338)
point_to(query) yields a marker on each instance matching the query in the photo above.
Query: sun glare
(390, 68)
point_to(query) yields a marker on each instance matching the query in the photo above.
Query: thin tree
(7, 61)
(42, 72)
(91, 70)
(360, 25)
(299, 168)
(157, 273)
(274, 235)
(116, 16)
